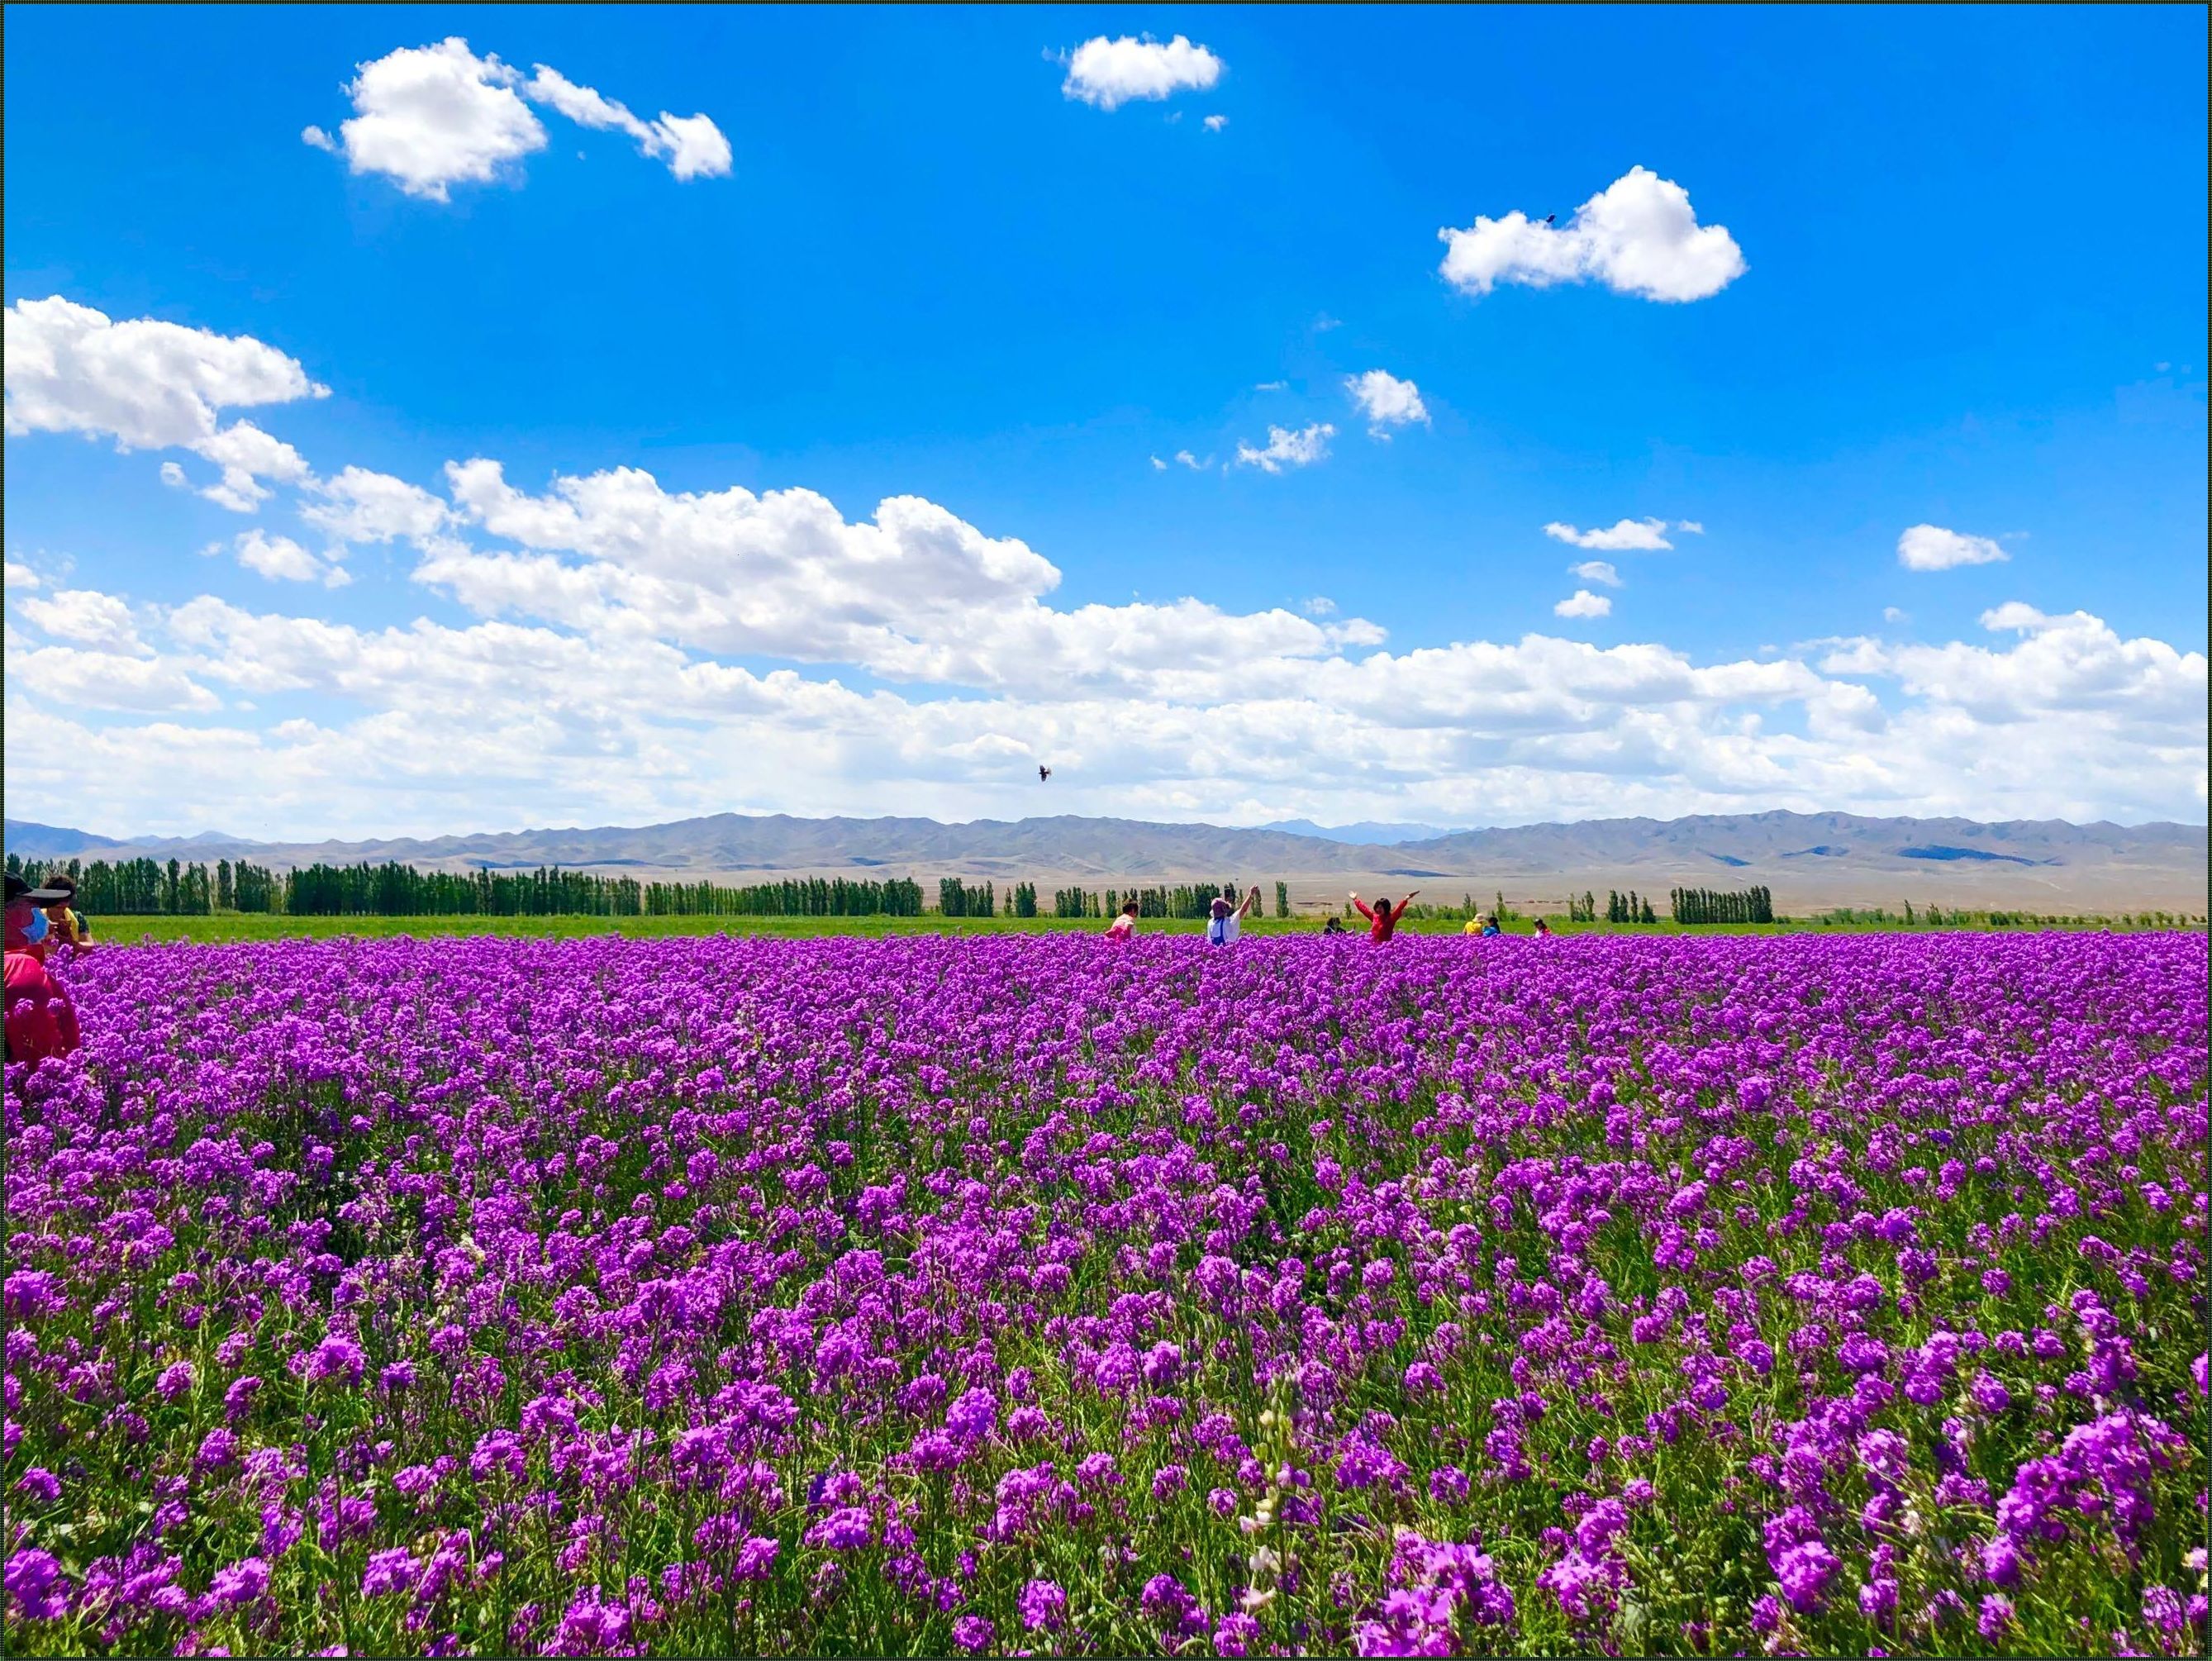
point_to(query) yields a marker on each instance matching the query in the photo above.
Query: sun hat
(21, 892)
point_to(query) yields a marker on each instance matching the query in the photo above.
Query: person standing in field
(65, 924)
(1125, 925)
(1382, 918)
(41, 1022)
(1226, 920)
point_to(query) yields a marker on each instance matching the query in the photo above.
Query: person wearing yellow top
(66, 925)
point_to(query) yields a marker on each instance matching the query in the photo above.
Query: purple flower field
(1026, 1294)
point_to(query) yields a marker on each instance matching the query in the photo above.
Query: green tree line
(146, 887)
(1705, 905)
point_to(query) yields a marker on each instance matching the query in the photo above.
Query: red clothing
(1380, 924)
(42, 1021)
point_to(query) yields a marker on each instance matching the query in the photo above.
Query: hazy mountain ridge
(1710, 850)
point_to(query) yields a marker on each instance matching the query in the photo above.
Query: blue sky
(1971, 297)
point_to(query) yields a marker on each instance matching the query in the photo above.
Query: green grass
(227, 927)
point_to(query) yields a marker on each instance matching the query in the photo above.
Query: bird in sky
(1043, 773)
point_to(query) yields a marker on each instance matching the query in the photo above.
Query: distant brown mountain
(1806, 858)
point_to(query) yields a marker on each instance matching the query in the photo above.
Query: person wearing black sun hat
(41, 1022)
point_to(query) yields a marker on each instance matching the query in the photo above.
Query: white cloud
(428, 117)
(1690, 526)
(1628, 534)
(1215, 122)
(146, 384)
(1595, 570)
(86, 617)
(22, 578)
(283, 560)
(1931, 548)
(1386, 401)
(1638, 236)
(361, 506)
(1584, 604)
(1320, 605)
(247, 455)
(692, 146)
(1192, 462)
(1287, 448)
(1893, 614)
(173, 475)
(89, 679)
(1107, 74)
(1158, 465)
(1272, 387)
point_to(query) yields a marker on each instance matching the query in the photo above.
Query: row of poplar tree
(1696, 905)
(150, 887)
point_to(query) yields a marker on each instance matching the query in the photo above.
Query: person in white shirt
(1226, 920)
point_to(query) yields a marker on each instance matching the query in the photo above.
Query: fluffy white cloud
(246, 456)
(86, 617)
(1287, 448)
(283, 560)
(429, 118)
(915, 595)
(22, 578)
(358, 505)
(88, 678)
(442, 727)
(691, 145)
(1595, 570)
(1630, 533)
(1215, 122)
(1893, 614)
(1932, 548)
(1638, 236)
(1584, 604)
(1107, 74)
(146, 384)
(1386, 401)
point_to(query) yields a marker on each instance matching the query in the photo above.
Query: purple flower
(242, 1582)
(1235, 1634)
(36, 1589)
(1042, 1606)
(972, 1634)
(1805, 1571)
(847, 1529)
(1995, 1616)
(389, 1572)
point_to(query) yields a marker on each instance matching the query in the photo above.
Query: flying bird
(1043, 773)
(1549, 217)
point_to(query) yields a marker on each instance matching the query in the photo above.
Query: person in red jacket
(1382, 920)
(41, 1022)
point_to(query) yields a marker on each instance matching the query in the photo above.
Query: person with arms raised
(1382, 918)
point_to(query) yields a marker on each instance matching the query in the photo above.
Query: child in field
(66, 925)
(1382, 918)
(1125, 925)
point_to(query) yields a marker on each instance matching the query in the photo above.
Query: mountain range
(1806, 858)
